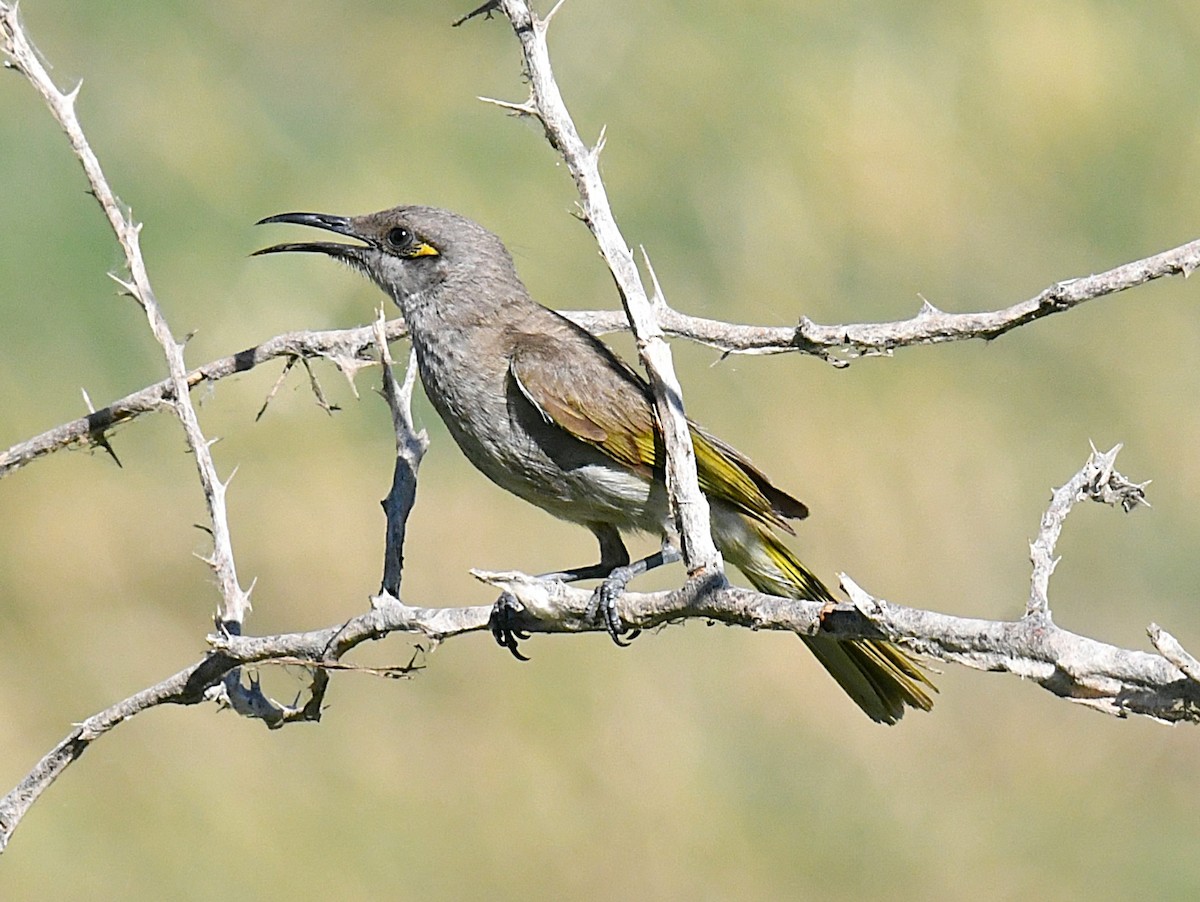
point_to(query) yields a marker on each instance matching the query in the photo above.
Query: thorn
(349, 367)
(550, 15)
(599, 141)
(128, 287)
(579, 213)
(102, 441)
(291, 361)
(315, 385)
(1105, 461)
(927, 309)
(520, 109)
(1138, 498)
(656, 300)
(87, 400)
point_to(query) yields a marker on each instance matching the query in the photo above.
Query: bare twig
(283, 374)
(187, 687)
(1171, 649)
(339, 345)
(218, 677)
(410, 448)
(856, 339)
(1097, 481)
(1109, 679)
(689, 505)
(933, 326)
(839, 344)
(235, 601)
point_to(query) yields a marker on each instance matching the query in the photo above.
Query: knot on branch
(1103, 483)
(1056, 297)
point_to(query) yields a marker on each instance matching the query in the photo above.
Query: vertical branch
(22, 57)
(410, 448)
(546, 104)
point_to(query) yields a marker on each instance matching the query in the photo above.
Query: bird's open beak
(339, 224)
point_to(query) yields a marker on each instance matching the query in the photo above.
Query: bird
(550, 413)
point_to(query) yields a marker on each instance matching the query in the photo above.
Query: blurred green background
(776, 159)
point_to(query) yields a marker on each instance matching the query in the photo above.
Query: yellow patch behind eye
(424, 250)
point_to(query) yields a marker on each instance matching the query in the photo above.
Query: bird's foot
(506, 613)
(603, 606)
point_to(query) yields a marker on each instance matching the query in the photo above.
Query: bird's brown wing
(597, 399)
(608, 405)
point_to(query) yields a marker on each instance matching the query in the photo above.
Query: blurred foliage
(776, 159)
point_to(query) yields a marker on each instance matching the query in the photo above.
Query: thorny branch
(217, 677)
(1110, 679)
(348, 348)
(1101, 676)
(840, 344)
(23, 57)
(688, 504)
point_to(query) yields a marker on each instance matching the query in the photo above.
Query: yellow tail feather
(880, 678)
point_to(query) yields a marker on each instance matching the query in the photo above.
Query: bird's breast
(510, 441)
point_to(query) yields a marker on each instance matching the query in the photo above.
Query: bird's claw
(502, 623)
(506, 614)
(603, 606)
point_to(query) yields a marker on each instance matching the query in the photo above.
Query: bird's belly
(511, 443)
(582, 492)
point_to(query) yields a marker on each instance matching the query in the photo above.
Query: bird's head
(407, 251)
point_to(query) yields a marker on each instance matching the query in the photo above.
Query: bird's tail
(880, 678)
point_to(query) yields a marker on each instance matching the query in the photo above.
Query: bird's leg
(604, 599)
(614, 557)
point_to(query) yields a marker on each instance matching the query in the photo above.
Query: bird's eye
(399, 237)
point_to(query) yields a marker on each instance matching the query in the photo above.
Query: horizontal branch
(1105, 677)
(838, 344)
(348, 348)
(1110, 679)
